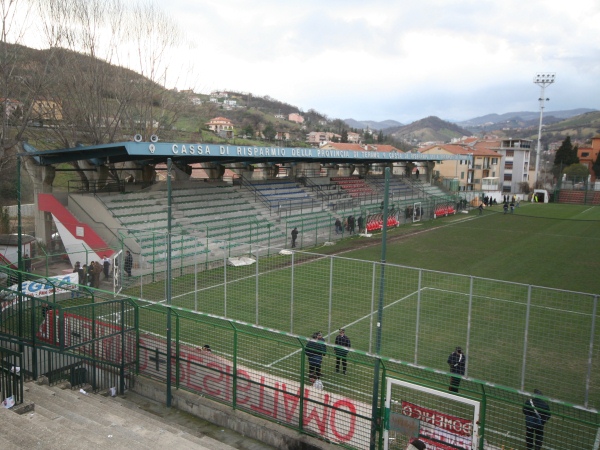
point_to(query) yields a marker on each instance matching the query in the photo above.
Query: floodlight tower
(542, 80)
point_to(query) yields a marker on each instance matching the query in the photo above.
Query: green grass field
(542, 245)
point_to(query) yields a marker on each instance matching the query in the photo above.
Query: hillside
(371, 124)
(521, 116)
(427, 130)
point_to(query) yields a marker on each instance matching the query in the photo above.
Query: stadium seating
(353, 186)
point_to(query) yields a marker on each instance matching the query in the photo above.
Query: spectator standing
(338, 226)
(294, 236)
(315, 350)
(27, 263)
(96, 271)
(361, 224)
(106, 267)
(457, 361)
(128, 263)
(537, 413)
(417, 173)
(342, 343)
(351, 224)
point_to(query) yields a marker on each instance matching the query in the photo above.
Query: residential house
(229, 102)
(44, 110)
(9, 106)
(221, 126)
(349, 146)
(344, 146)
(480, 175)
(354, 138)
(589, 155)
(321, 137)
(516, 159)
(282, 136)
(295, 117)
(279, 116)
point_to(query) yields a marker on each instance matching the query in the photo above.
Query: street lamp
(542, 80)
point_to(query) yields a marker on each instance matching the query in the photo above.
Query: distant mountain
(425, 130)
(520, 117)
(371, 124)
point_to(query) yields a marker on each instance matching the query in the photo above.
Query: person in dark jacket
(537, 413)
(106, 267)
(361, 224)
(128, 264)
(351, 224)
(456, 361)
(315, 350)
(338, 226)
(294, 236)
(342, 343)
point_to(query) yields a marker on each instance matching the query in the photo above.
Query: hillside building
(589, 155)
(482, 175)
(221, 126)
(516, 156)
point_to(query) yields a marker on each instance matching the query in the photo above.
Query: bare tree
(14, 96)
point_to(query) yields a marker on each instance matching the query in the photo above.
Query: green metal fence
(265, 372)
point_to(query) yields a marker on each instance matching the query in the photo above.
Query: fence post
(122, 368)
(196, 277)
(525, 337)
(235, 357)
(372, 307)
(469, 317)
(224, 283)
(330, 298)
(418, 318)
(256, 290)
(292, 296)
(591, 352)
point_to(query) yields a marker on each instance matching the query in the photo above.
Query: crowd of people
(90, 275)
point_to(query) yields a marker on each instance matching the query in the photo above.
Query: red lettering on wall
(314, 413)
(294, 399)
(242, 374)
(261, 400)
(333, 419)
(214, 379)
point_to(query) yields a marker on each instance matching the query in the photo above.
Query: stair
(63, 419)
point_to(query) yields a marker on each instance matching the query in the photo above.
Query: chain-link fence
(267, 372)
(516, 335)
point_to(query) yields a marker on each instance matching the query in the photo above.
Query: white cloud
(385, 59)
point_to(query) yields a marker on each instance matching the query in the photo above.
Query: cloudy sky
(386, 59)
(391, 59)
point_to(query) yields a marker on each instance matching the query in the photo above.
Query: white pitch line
(345, 326)
(485, 297)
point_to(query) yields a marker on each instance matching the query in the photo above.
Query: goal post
(443, 420)
(117, 269)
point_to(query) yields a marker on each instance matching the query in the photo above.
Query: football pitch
(491, 284)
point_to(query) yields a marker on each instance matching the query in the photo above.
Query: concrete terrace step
(70, 420)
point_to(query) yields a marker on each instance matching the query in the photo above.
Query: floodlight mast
(542, 80)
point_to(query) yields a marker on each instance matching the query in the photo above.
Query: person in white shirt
(316, 383)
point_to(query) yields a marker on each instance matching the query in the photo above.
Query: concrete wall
(270, 433)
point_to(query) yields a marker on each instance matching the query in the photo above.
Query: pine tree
(596, 166)
(566, 154)
(344, 137)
